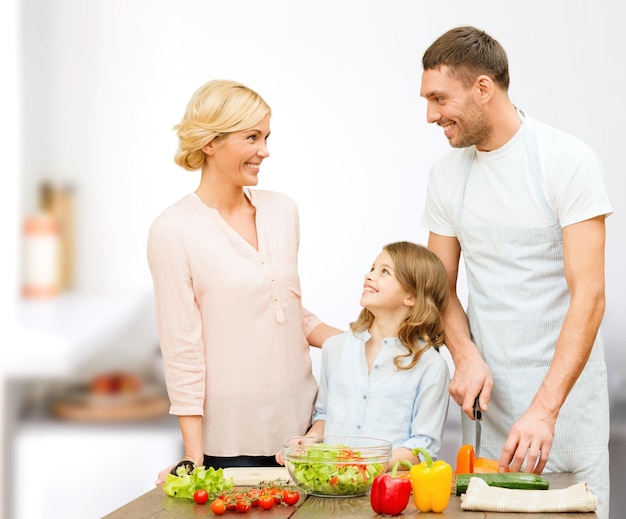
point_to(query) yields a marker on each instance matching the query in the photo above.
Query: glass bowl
(339, 466)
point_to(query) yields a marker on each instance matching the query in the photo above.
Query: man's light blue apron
(518, 298)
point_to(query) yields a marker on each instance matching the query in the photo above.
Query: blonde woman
(386, 378)
(233, 333)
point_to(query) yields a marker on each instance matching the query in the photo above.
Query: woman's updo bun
(218, 107)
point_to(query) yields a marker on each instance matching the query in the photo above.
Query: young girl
(386, 379)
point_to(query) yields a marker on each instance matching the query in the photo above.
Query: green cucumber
(519, 480)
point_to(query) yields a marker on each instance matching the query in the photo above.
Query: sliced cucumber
(519, 480)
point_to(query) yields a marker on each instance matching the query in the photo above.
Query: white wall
(104, 81)
(9, 205)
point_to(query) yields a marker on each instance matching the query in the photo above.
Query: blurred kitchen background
(91, 91)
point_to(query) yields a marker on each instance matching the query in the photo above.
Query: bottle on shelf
(47, 266)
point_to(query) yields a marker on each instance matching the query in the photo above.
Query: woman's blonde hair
(218, 107)
(420, 272)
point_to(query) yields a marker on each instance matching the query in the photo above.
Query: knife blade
(478, 416)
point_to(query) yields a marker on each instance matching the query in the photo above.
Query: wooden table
(156, 505)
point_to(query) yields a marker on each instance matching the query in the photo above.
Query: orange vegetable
(465, 460)
(468, 463)
(487, 466)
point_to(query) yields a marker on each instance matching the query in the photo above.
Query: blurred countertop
(55, 336)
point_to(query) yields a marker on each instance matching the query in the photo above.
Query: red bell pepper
(390, 493)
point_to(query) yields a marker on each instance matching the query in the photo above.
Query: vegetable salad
(334, 470)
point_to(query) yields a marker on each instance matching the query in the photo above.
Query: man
(525, 204)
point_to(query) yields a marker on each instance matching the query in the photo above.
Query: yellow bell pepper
(431, 483)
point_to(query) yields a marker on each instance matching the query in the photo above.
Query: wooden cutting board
(79, 403)
(129, 410)
(251, 476)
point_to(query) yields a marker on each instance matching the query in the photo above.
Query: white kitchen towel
(480, 496)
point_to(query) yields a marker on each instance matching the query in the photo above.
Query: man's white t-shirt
(501, 189)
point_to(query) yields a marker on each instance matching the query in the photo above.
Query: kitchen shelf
(59, 342)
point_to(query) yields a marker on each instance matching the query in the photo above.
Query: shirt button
(364, 397)
(358, 426)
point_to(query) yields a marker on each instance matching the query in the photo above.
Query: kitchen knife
(478, 416)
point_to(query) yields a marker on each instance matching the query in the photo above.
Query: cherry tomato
(290, 497)
(218, 507)
(266, 501)
(230, 500)
(243, 506)
(200, 496)
(278, 495)
(253, 495)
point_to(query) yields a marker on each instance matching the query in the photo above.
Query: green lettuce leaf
(184, 485)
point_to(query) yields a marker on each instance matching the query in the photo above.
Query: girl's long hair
(420, 272)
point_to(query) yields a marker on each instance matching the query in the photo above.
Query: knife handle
(478, 414)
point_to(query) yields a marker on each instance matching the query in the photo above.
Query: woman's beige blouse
(231, 324)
